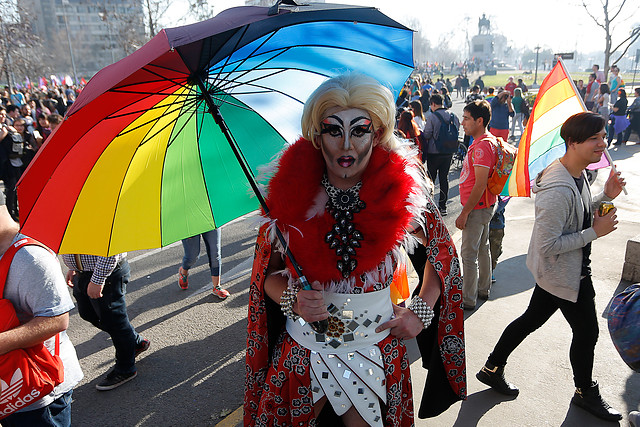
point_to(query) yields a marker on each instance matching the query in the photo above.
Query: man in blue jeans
(99, 287)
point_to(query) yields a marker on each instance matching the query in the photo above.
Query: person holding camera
(17, 148)
(501, 110)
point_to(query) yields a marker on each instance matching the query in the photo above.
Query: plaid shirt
(101, 266)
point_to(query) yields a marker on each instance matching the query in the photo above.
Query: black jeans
(109, 314)
(438, 165)
(580, 315)
(12, 175)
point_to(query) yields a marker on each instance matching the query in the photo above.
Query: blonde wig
(351, 90)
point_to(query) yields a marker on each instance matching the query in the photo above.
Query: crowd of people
(609, 99)
(27, 118)
(328, 347)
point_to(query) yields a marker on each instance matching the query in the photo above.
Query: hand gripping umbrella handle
(321, 326)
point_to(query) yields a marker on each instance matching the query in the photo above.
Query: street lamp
(66, 26)
(535, 78)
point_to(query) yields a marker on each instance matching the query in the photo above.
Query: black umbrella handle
(321, 326)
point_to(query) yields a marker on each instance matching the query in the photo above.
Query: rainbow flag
(541, 143)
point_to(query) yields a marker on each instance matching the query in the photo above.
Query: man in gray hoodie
(559, 259)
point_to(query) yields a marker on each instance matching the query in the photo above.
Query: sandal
(220, 292)
(183, 279)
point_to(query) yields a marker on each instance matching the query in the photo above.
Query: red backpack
(26, 374)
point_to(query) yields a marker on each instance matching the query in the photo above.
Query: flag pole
(584, 107)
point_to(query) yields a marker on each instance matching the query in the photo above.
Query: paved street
(193, 373)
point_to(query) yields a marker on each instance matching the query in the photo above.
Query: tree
(611, 13)
(200, 10)
(20, 50)
(154, 10)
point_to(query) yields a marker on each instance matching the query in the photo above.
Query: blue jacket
(499, 114)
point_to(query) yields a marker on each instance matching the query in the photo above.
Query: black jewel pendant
(344, 237)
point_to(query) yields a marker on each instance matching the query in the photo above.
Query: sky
(562, 26)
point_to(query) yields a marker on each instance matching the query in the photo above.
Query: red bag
(26, 374)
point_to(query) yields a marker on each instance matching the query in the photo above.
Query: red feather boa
(294, 188)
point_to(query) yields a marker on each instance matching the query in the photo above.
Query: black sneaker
(114, 379)
(493, 376)
(589, 399)
(142, 346)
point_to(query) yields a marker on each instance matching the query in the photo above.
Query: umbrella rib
(249, 82)
(127, 85)
(179, 107)
(161, 78)
(235, 79)
(155, 107)
(225, 101)
(175, 134)
(228, 57)
(285, 49)
(148, 137)
(268, 90)
(149, 93)
(199, 126)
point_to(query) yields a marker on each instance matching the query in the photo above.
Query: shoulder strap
(7, 258)
(5, 263)
(439, 116)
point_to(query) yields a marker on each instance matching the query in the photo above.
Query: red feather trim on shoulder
(294, 188)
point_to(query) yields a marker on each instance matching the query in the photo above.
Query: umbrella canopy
(140, 162)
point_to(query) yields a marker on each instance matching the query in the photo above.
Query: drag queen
(350, 199)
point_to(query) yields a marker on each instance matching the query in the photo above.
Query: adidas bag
(506, 156)
(624, 325)
(26, 374)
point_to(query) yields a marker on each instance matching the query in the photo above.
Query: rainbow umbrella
(165, 144)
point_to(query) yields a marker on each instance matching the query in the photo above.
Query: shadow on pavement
(478, 404)
(509, 281)
(579, 417)
(199, 379)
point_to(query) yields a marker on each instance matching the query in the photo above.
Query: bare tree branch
(619, 10)
(635, 35)
(584, 5)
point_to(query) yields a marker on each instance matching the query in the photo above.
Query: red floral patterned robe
(277, 385)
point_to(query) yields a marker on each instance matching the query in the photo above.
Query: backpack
(506, 156)
(624, 325)
(447, 140)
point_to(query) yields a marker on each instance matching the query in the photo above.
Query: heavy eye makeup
(336, 130)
